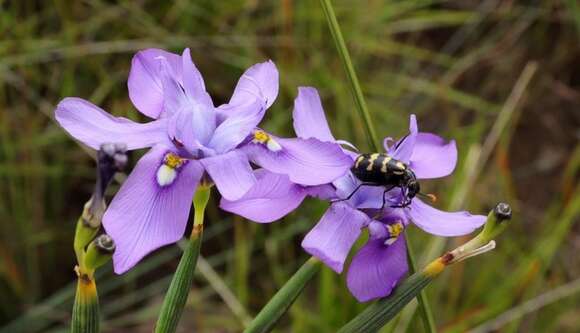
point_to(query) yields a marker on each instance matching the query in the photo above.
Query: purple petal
(193, 81)
(201, 115)
(323, 192)
(305, 161)
(270, 199)
(144, 216)
(145, 85)
(332, 238)
(433, 157)
(442, 223)
(365, 197)
(309, 118)
(376, 269)
(407, 144)
(231, 172)
(237, 126)
(258, 82)
(93, 126)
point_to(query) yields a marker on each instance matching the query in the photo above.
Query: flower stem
(85, 315)
(426, 314)
(279, 304)
(350, 73)
(178, 291)
(371, 133)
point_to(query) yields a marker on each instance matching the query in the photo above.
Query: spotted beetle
(380, 169)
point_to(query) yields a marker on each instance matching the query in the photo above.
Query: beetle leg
(353, 192)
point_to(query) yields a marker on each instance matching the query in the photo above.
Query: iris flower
(191, 142)
(381, 263)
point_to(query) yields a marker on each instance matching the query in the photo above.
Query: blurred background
(501, 77)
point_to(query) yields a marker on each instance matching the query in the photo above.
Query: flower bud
(111, 158)
(502, 212)
(99, 252)
(495, 221)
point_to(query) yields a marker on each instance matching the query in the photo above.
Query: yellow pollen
(173, 161)
(396, 229)
(261, 136)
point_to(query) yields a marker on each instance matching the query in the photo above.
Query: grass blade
(350, 73)
(279, 304)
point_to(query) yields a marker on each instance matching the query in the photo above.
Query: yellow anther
(396, 229)
(173, 161)
(261, 136)
(265, 139)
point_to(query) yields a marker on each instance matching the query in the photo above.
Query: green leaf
(279, 304)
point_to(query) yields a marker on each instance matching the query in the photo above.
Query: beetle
(381, 169)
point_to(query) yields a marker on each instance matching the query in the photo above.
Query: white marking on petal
(165, 175)
(273, 145)
(390, 241)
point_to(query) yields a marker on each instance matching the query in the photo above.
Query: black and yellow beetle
(380, 169)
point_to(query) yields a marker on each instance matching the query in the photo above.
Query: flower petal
(237, 126)
(231, 172)
(193, 81)
(259, 81)
(145, 84)
(270, 199)
(433, 157)
(305, 161)
(332, 238)
(442, 223)
(144, 216)
(376, 269)
(176, 102)
(309, 118)
(324, 192)
(365, 196)
(93, 126)
(404, 147)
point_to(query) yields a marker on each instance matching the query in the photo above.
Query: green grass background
(464, 67)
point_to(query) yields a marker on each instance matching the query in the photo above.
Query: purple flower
(381, 262)
(190, 138)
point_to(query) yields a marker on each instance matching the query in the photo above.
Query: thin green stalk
(372, 136)
(176, 296)
(85, 316)
(279, 304)
(350, 73)
(426, 314)
(380, 313)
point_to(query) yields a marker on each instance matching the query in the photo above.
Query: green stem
(371, 134)
(378, 314)
(178, 291)
(426, 314)
(350, 73)
(85, 315)
(279, 304)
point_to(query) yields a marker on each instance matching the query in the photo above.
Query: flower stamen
(167, 172)
(265, 139)
(394, 230)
